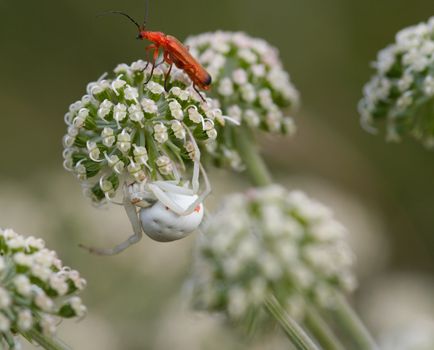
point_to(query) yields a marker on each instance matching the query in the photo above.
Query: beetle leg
(148, 50)
(137, 228)
(166, 78)
(155, 56)
(200, 95)
(167, 59)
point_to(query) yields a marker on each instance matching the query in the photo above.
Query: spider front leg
(196, 160)
(137, 229)
(195, 180)
(164, 198)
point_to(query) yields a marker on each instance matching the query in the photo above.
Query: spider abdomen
(163, 225)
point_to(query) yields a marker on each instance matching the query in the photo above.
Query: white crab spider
(167, 211)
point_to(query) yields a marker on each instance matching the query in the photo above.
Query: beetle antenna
(122, 14)
(145, 20)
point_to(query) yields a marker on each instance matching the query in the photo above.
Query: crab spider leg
(169, 187)
(176, 174)
(166, 200)
(137, 228)
(203, 195)
(196, 161)
(106, 194)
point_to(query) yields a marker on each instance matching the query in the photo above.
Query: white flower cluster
(402, 90)
(271, 241)
(249, 82)
(125, 129)
(36, 291)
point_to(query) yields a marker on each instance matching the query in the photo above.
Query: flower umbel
(402, 90)
(125, 130)
(270, 241)
(250, 85)
(36, 291)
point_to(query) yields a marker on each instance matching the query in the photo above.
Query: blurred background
(383, 192)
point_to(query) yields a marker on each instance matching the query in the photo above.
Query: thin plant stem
(256, 168)
(321, 330)
(295, 333)
(48, 343)
(353, 326)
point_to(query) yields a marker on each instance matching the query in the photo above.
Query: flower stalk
(294, 332)
(353, 326)
(321, 330)
(255, 165)
(48, 343)
(36, 292)
(346, 316)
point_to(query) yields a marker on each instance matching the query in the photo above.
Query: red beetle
(174, 53)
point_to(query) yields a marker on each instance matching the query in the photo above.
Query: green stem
(295, 333)
(256, 168)
(260, 176)
(351, 323)
(44, 341)
(321, 331)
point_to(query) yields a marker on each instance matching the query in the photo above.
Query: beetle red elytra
(174, 53)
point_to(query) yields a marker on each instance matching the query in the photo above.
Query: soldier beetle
(174, 53)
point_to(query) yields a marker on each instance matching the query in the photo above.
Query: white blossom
(400, 91)
(25, 319)
(119, 130)
(250, 84)
(120, 112)
(35, 287)
(271, 240)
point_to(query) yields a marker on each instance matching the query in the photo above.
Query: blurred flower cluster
(127, 129)
(271, 241)
(250, 85)
(36, 291)
(402, 90)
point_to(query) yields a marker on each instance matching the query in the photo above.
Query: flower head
(271, 241)
(126, 130)
(249, 83)
(36, 291)
(402, 90)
